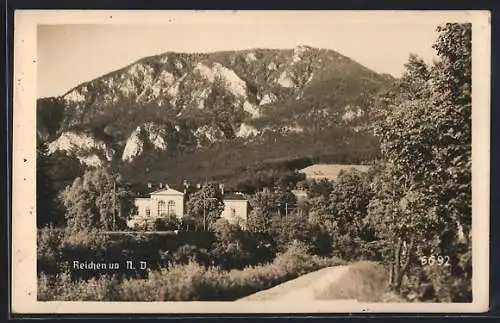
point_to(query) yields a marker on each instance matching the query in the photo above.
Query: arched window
(162, 208)
(171, 207)
(148, 211)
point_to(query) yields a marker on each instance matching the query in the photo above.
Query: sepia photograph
(275, 161)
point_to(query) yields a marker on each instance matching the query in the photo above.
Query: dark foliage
(271, 161)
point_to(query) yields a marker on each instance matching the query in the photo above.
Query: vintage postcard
(279, 161)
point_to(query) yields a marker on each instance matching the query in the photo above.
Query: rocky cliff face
(89, 150)
(190, 101)
(146, 135)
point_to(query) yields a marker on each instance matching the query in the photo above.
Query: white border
(24, 285)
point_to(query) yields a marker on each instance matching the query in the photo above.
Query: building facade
(330, 171)
(167, 202)
(300, 195)
(235, 209)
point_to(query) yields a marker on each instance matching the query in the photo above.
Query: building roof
(167, 191)
(330, 171)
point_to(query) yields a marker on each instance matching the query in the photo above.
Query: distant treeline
(250, 166)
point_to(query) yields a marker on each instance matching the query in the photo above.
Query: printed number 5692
(435, 260)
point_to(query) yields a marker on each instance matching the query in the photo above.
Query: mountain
(176, 106)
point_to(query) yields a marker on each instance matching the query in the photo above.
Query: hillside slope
(164, 107)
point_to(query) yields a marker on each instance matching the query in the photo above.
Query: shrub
(364, 281)
(63, 288)
(298, 228)
(187, 282)
(186, 253)
(436, 283)
(86, 239)
(49, 244)
(169, 222)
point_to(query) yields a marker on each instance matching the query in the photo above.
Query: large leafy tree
(266, 204)
(97, 200)
(228, 247)
(206, 205)
(315, 188)
(286, 231)
(342, 213)
(262, 205)
(423, 197)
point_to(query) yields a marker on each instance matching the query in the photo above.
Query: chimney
(150, 185)
(161, 185)
(221, 187)
(166, 186)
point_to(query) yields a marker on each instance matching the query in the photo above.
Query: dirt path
(303, 287)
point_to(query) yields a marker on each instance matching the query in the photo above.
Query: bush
(49, 244)
(63, 288)
(168, 223)
(186, 253)
(86, 239)
(436, 283)
(187, 282)
(298, 228)
(364, 281)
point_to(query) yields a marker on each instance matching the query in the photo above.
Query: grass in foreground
(191, 282)
(364, 281)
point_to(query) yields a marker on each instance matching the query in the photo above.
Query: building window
(162, 208)
(233, 212)
(171, 207)
(148, 211)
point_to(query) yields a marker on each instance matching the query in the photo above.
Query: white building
(167, 201)
(161, 203)
(235, 209)
(329, 171)
(300, 194)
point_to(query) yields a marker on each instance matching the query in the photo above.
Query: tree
(321, 187)
(260, 217)
(228, 249)
(188, 223)
(297, 228)
(168, 223)
(62, 169)
(285, 200)
(342, 213)
(423, 197)
(259, 221)
(266, 204)
(90, 202)
(226, 231)
(47, 212)
(318, 211)
(187, 252)
(349, 199)
(206, 205)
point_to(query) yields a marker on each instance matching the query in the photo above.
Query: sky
(70, 54)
